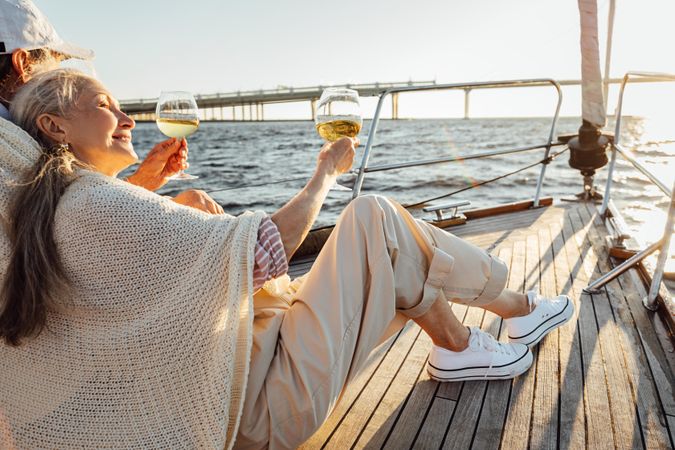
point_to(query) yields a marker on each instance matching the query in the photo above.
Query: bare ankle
(455, 342)
(523, 306)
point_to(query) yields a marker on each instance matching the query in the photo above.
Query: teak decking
(604, 380)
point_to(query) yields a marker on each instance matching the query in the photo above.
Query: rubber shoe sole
(533, 337)
(503, 372)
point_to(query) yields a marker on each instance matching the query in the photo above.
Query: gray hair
(35, 275)
(53, 92)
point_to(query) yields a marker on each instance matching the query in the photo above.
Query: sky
(209, 46)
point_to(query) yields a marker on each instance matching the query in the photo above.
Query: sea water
(240, 163)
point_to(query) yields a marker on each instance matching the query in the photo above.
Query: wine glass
(338, 114)
(177, 117)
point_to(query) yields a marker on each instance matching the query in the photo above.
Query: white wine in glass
(338, 115)
(177, 117)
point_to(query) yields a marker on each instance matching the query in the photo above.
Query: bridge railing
(286, 93)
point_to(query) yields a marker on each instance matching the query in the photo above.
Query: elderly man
(29, 44)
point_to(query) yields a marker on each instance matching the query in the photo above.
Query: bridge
(249, 105)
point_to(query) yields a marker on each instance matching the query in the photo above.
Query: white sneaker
(483, 359)
(547, 315)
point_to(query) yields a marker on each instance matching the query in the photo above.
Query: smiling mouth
(122, 137)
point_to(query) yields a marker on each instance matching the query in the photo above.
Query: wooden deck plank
(517, 427)
(357, 417)
(596, 400)
(431, 434)
(561, 401)
(546, 389)
(349, 396)
(622, 407)
(385, 415)
(639, 381)
(421, 412)
(657, 357)
(572, 434)
(493, 413)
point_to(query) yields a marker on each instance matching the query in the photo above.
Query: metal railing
(663, 244)
(363, 169)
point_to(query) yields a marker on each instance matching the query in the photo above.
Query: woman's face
(98, 133)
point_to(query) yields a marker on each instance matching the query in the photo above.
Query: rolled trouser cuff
(438, 275)
(499, 274)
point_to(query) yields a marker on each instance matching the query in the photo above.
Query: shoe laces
(480, 339)
(536, 300)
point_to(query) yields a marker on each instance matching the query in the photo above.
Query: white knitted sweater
(152, 347)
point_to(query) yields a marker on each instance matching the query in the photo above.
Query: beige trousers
(379, 268)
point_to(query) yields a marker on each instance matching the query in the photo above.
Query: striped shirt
(270, 258)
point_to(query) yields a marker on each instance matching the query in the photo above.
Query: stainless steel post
(650, 300)
(595, 286)
(540, 182)
(356, 190)
(466, 103)
(608, 185)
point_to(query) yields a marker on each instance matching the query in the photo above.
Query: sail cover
(592, 107)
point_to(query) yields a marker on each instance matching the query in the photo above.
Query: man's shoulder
(4, 113)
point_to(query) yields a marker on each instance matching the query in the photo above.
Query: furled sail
(593, 107)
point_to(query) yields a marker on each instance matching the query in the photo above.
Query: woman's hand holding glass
(177, 116)
(164, 161)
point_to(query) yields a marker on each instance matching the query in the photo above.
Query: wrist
(141, 181)
(133, 179)
(323, 179)
(323, 172)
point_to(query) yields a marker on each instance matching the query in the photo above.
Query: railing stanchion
(617, 138)
(356, 190)
(650, 300)
(608, 185)
(542, 173)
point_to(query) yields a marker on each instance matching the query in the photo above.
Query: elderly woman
(129, 320)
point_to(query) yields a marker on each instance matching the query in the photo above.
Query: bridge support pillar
(312, 103)
(394, 106)
(466, 103)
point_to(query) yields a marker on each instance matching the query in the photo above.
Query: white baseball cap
(22, 25)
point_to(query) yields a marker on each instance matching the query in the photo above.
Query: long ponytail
(35, 275)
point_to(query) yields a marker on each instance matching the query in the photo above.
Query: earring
(63, 147)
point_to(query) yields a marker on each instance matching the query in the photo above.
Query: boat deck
(604, 380)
